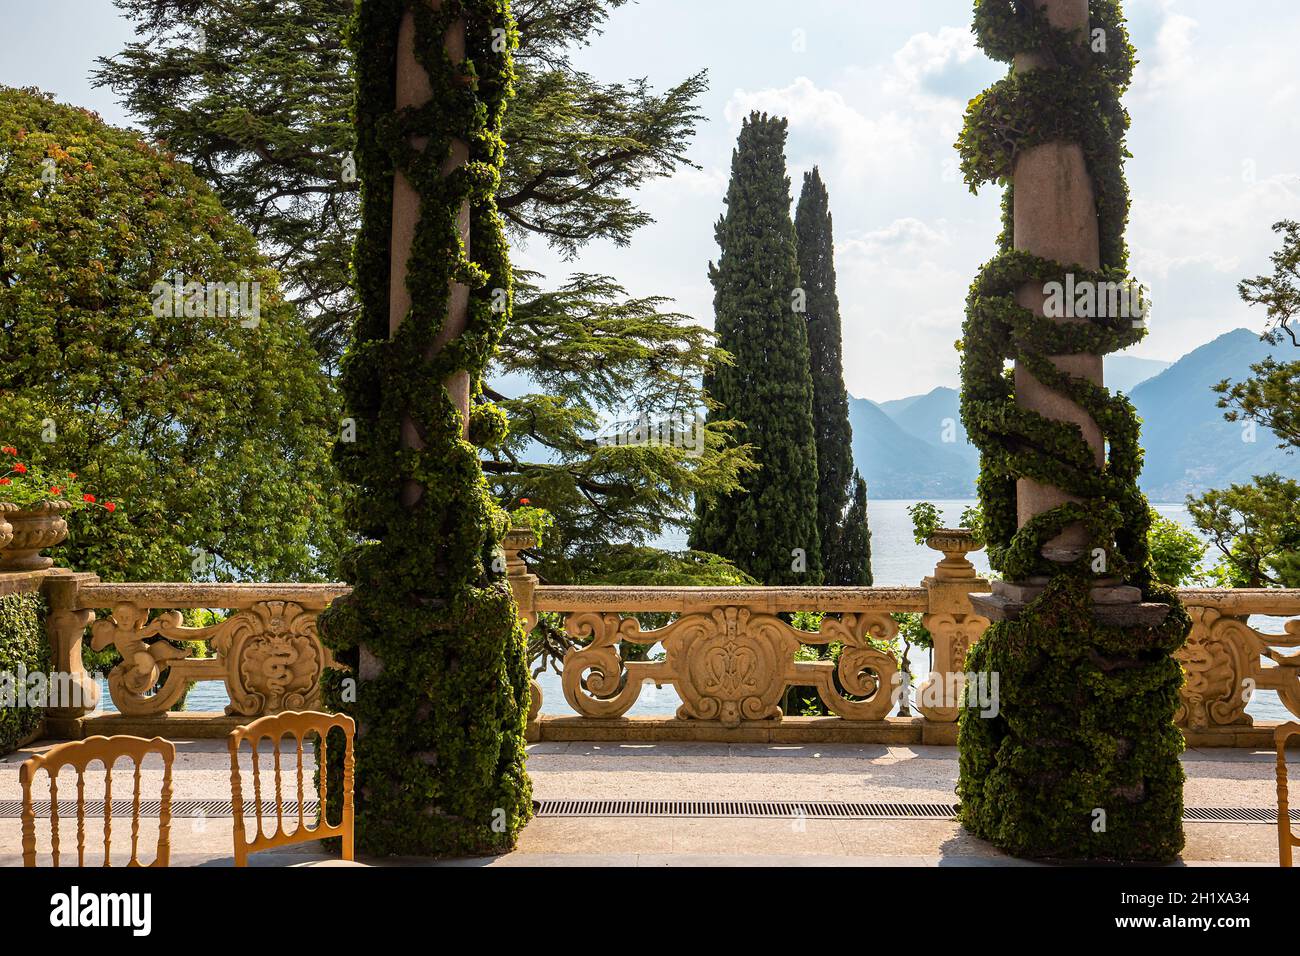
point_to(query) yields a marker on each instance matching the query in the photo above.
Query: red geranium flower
(525, 501)
(56, 490)
(20, 468)
(6, 481)
(72, 475)
(90, 498)
(109, 506)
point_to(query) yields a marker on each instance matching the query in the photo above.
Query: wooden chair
(297, 724)
(1286, 838)
(80, 754)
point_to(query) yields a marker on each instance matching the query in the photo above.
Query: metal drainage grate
(1235, 815)
(834, 811)
(745, 808)
(10, 809)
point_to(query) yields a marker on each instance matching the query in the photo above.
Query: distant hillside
(909, 461)
(899, 445)
(1189, 446)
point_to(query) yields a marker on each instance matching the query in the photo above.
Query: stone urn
(34, 529)
(955, 543)
(6, 529)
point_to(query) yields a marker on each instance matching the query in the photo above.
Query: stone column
(1055, 217)
(66, 624)
(522, 585)
(953, 624)
(413, 90)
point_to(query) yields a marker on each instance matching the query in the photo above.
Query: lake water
(896, 560)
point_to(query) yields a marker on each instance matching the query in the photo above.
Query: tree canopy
(769, 530)
(209, 425)
(576, 150)
(846, 551)
(1254, 527)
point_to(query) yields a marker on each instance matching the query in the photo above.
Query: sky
(875, 91)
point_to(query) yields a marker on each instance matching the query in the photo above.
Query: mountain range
(916, 447)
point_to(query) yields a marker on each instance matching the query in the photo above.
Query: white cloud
(927, 55)
(1172, 62)
(870, 143)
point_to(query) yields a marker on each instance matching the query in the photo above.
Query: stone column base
(1113, 605)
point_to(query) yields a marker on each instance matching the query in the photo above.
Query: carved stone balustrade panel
(273, 659)
(1224, 665)
(268, 655)
(729, 663)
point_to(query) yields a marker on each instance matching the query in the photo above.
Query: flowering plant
(27, 486)
(537, 520)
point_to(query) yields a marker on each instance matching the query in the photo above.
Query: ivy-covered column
(1080, 758)
(438, 682)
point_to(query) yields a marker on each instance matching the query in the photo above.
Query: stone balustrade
(266, 650)
(1227, 661)
(730, 653)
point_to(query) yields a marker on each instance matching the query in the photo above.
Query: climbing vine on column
(430, 631)
(1082, 760)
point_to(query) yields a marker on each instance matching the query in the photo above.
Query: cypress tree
(834, 434)
(851, 563)
(770, 529)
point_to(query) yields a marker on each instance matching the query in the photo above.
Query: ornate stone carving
(951, 621)
(1222, 653)
(131, 683)
(6, 529)
(937, 696)
(273, 659)
(268, 655)
(31, 531)
(596, 682)
(729, 664)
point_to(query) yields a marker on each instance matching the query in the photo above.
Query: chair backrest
(296, 724)
(79, 754)
(1286, 838)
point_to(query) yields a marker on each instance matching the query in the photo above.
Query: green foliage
(628, 564)
(576, 150)
(275, 161)
(537, 520)
(1272, 397)
(846, 561)
(575, 147)
(431, 629)
(23, 644)
(205, 431)
(1256, 530)
(588, 351)
(770, 529)
(1176, 552)
(925, 520)
(850, 564)
(912, 632)
(1079, 729)
(1086, 718)
(1280, 292)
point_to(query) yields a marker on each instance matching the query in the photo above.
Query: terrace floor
(821, 773)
